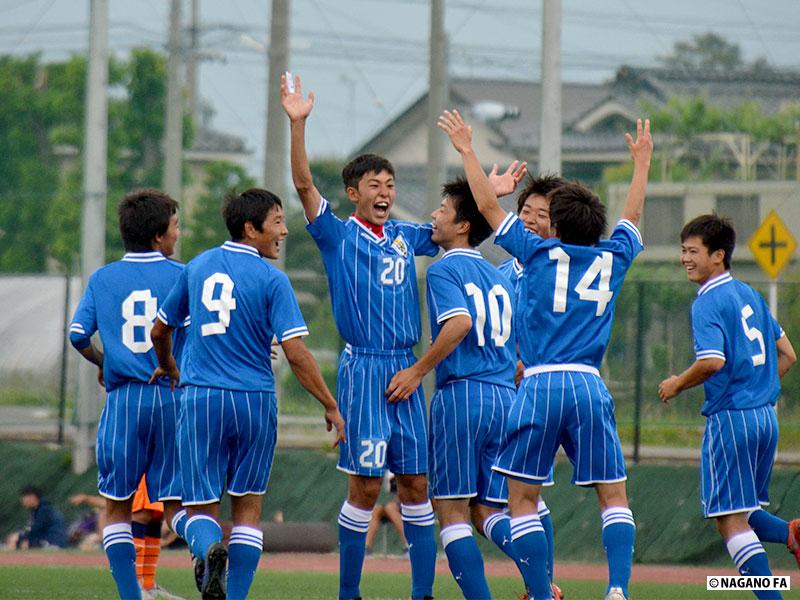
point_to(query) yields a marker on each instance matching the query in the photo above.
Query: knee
(364, 492)
(412, 489)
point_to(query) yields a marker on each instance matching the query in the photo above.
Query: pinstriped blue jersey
(463, 283)
(568, 291)
(372, 280)
(120, 301)
(731, 321)
(237, 302)
(512, 269)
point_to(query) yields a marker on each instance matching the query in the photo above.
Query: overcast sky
(366, 59)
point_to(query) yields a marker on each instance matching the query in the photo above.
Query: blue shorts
(739, 449)
(226, 442)
(380, 435)
(135, 437)
(467, 426)
(567, 408)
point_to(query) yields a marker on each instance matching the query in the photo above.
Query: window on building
(742, 209)
(662, 220)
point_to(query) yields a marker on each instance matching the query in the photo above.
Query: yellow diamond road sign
(772, 245)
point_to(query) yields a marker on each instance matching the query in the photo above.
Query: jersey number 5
(754, 335)
(222, 305)
(501, 323)
(132, 320)
(601, 266)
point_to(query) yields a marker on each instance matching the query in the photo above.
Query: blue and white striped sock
(353, 525)
(121, 553)
(619, 533)
(530, 547)
(178, 523)
(750, 558)
(547, 525)
(465, 561)
(497, 527)
(418, 527)
(244, 552)
(201, 532)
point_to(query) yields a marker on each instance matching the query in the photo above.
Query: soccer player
(369, 261)
(569, 286)
(228, 428)
(136, 434)
(741, 354)
(533, 209)
(474, 348)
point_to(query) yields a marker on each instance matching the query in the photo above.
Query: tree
(705, 52)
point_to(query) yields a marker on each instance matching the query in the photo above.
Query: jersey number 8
(132, 320)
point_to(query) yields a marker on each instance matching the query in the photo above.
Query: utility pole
(93, 217)
(438, 98)
(550, 141)
(191, 63)
(275, 152)
(173, 128)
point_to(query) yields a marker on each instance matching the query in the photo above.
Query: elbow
(79, 341)
(710, 366)
(159, 332)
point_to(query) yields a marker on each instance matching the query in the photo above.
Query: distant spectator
(86, 531)
(47, 523)
(388, 512)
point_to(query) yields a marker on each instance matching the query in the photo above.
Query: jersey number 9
(223, 305)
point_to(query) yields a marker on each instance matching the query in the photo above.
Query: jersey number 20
(222, 305)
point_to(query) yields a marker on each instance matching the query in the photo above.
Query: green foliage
(205, 227)
(706, 52)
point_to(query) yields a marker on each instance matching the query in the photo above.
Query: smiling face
(374, 197)
(273, 231)
(535, 215)
(446, 231)
(700, 264)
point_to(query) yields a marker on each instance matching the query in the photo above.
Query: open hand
(296, 107)
(507, 182)
(403, 385)
(170, 371)
(457, 130)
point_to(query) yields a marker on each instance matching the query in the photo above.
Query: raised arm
(297, 109)
(641, 153)
(308, 374)
(483, 190)
(406, 381)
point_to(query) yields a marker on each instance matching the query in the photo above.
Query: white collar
(237, 247)
(142, 257)
(462, 252)
(714, 282)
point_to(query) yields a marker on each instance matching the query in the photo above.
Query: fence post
(638, 396)
(62, 391)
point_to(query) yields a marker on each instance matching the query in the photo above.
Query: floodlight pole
(173, 127)
(93, 218)
(550, 130)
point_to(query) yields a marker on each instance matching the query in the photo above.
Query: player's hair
(363, 164)
(144, 214)
(577, 214)
(467, 210)
(250, 206)
(716, 232)
(538, 186)
(30, 490)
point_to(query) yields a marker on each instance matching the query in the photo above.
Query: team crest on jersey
(400, 246)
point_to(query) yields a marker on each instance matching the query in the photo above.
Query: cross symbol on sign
(772, 244)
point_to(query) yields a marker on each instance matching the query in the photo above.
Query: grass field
(45, 583)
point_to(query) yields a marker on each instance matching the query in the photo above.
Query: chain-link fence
(651, 339)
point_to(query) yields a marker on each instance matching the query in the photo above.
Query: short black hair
(460, 194)
(144, 214)
(363, 164)
(30, 490)
(539, 186)
(250, 206)
(716, 232)
(577, 214)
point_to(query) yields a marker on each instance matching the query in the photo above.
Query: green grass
(90, 583)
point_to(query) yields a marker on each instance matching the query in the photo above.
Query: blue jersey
(237, 302)
(731, 321)
(569, 291)
(121, 301)
(372, 280)
(512, 269)
(463, 283)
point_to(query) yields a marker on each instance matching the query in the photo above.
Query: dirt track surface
(329, 563)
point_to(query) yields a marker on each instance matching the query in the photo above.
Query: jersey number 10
(500, 322)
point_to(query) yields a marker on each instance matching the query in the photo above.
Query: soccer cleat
(159, 592)
(148, 594)
(199, 570)
(556, 591)
(215, 572)
(615, 593)
(793, 543)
